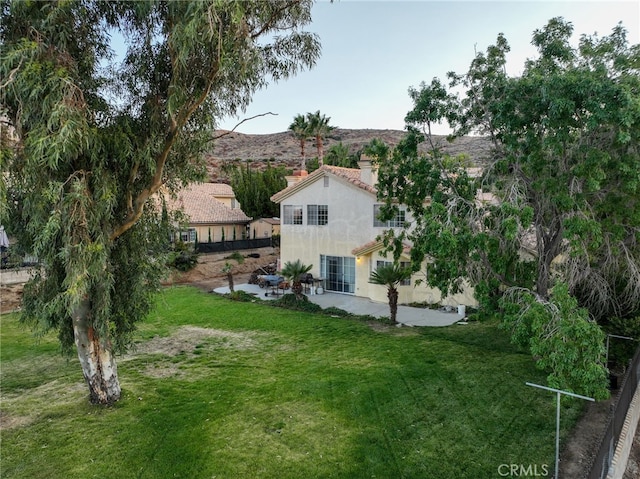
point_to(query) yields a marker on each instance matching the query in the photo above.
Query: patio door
(339, 273)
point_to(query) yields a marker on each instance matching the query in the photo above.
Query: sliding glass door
(339, 273)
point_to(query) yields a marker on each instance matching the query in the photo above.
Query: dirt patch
(10, 297)
(9, 422)
(185, 343)
(188, 338)
(633, 465)
(581, 447)
(208, 274)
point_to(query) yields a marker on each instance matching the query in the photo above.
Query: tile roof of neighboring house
(198, 202)
(376, 245)
(221, 190)
(271, 221)
(352, 175)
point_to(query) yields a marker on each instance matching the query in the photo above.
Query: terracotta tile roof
(352, 175)
(221, 190)
(198, 202)
(270, 221)
(376, 245)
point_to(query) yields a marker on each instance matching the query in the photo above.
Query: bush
(289, 301)
(183, 258)
(333, 311)
(622, 350)
(242, 296)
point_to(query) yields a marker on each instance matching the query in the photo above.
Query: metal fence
(603, 458)
(234, 245)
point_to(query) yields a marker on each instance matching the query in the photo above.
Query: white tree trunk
(97, 361)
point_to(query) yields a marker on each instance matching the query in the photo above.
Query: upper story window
(317, 215)
(292, 214)
(396, 222)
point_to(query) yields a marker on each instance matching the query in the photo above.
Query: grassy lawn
(218, 389)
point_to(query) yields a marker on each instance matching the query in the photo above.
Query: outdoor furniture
(318, 286)
(273, 283)
(307, 282)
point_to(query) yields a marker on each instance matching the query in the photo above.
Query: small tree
(293, 271)
(228, 268)
(391, 275)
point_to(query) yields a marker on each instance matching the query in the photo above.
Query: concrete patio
(407, 315)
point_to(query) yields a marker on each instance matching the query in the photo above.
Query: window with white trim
(292, 214)
(188, 236)
(317, 215)
(397, 222)
(403, 264)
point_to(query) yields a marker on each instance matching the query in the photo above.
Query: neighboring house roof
(271, 221)
(220, 190)
(199, 204)
(352, 175)
(376, 245)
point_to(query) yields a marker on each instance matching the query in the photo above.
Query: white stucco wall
(350, 225)
(418, 293)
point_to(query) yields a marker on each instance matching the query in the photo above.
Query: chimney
(296, 177)
(368, 172)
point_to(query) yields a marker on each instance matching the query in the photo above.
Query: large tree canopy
(254, 188)
(97, 136)
(559, 201)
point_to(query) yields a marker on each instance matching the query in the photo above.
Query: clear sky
(373, 51)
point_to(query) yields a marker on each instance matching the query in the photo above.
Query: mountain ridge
(282, 149)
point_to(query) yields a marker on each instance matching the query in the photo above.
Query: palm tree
(300, 130)
(293, 271)
(391, 275)
(320, 128)
(339, 155)
(228, 267)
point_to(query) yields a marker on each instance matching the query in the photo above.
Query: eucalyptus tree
(559, 201)
(319, 128)
(300, 129)
(98, 137)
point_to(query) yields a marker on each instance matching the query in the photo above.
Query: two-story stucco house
(329, 219)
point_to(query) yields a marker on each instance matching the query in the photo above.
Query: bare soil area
(10, 297)
(208, 273)
(633, 464)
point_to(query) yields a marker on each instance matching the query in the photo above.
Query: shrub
(290, 301)
(333, 311)
(242, 296)
(183, 257)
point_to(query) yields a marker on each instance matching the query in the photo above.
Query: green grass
(238, 390)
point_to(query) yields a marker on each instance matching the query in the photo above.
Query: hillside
(284, 149)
